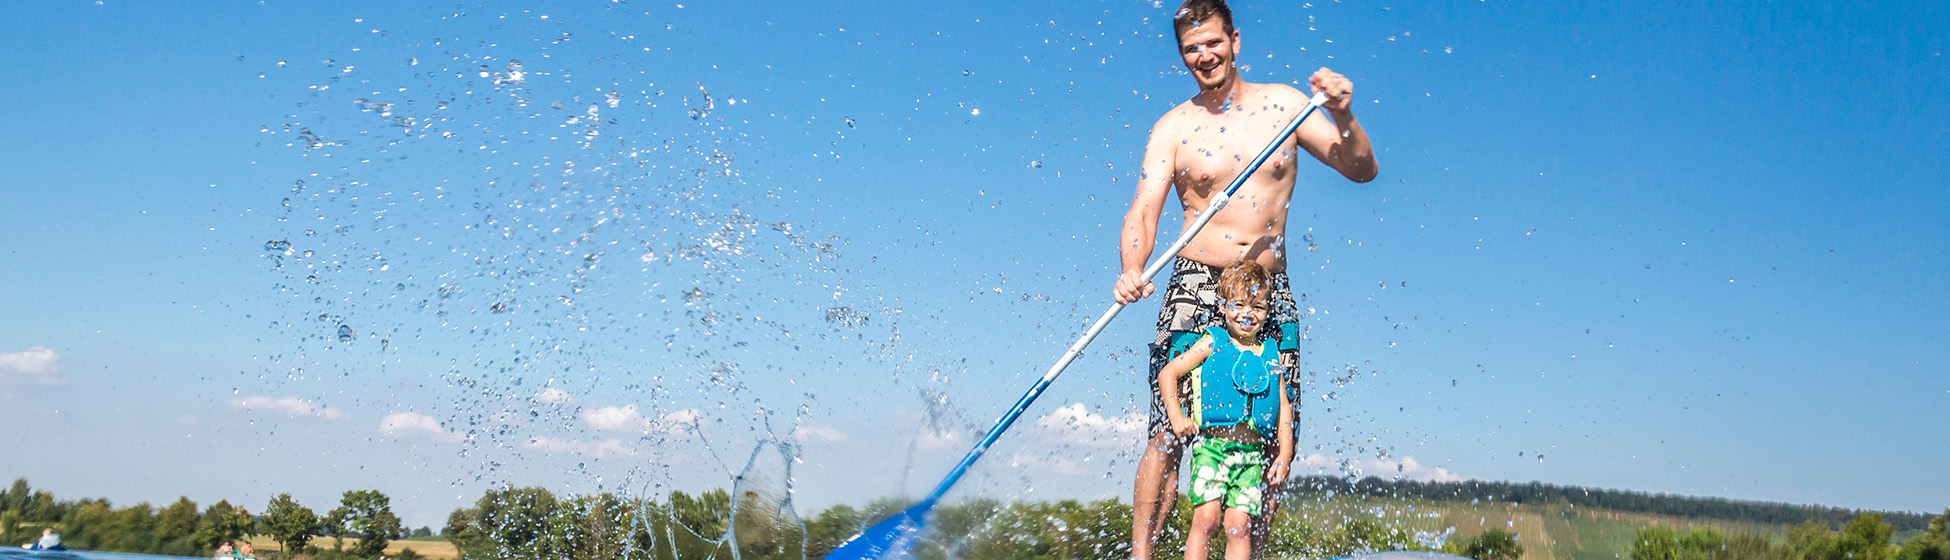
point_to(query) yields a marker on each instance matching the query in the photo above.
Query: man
(1195, 150)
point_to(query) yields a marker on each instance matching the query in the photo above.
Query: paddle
(893, 537)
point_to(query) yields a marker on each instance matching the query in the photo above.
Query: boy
(1238, 409)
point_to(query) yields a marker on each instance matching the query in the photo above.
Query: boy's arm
(1176, 368)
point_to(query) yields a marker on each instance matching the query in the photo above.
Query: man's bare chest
(1211, 153)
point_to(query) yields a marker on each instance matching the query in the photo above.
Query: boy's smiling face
(1244, 315)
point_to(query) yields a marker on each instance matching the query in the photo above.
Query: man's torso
(1212, 146)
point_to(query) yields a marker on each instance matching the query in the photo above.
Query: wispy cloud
(414, 424)
(1053, 464)
(627, 418)
(1406, 467)
(553, 395)
(288, 406)
(615, 418)
(820, 434)
(37, 365)
(1076, 425)
(601, 448)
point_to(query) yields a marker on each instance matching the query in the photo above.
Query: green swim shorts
(1230, 471)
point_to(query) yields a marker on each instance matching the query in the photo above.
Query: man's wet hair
(1192, 12)
(1245, 281)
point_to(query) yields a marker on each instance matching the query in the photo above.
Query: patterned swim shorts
(1230, 471)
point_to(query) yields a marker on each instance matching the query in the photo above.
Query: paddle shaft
(1156, 266)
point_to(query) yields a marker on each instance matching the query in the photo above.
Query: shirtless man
(1196, 149)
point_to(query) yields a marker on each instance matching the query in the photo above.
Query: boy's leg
(1205, 521)
(1238, 539)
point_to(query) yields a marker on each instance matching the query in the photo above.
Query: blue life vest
(1237, 386)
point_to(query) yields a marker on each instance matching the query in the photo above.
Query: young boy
(1238, 408)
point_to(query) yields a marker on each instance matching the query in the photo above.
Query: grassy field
(1547, 532)
(431, 547)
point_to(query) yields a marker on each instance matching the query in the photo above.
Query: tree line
(180, 529)
(533, 523)
(1769, 513)
(1866, 537)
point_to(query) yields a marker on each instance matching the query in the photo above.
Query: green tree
(1494, 544)
(222, 523)
(1933, 544)
(1866, 538)
(176, 529)
(460, 531)
(368, 513)
(504, 523)
(333, 524)
(830, 528)
(289, 523)
(706, 515)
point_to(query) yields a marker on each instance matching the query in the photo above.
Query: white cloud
(553, 395)
(288, 406)
(37, 365)
(1406, 467)
(929, 438)
(414, 423)
(615, 418)
(820, 434)
(627, 418)
(1076, 425)
(600, 448)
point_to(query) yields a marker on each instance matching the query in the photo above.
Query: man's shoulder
(1177, 114)
(1277, 92)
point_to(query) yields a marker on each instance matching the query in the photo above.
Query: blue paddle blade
(887, 540)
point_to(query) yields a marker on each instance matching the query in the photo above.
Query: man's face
(1209, 52)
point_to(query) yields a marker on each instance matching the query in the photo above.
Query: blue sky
(1667, 248)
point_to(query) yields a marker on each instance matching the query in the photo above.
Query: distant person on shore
(1239, 414)
(1195, 150)
(49, 540)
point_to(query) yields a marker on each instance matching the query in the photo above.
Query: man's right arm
(1141, 222)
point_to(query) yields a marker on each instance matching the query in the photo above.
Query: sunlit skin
(1243, 321)
(1195, 150)
(1198, 147)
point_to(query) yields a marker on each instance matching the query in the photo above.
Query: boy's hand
(1183, 426)
(1276, 476)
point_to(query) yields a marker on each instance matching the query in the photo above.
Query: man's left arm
(1340, 144)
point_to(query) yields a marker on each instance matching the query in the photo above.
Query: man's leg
(1155, 494)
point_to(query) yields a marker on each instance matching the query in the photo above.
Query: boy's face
(1244, 315)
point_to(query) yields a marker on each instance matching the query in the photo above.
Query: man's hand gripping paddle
(892, 538)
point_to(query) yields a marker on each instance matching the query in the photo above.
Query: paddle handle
(1156, 266)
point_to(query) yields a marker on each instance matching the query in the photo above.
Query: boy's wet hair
(1192, 12)
(1244, 281)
